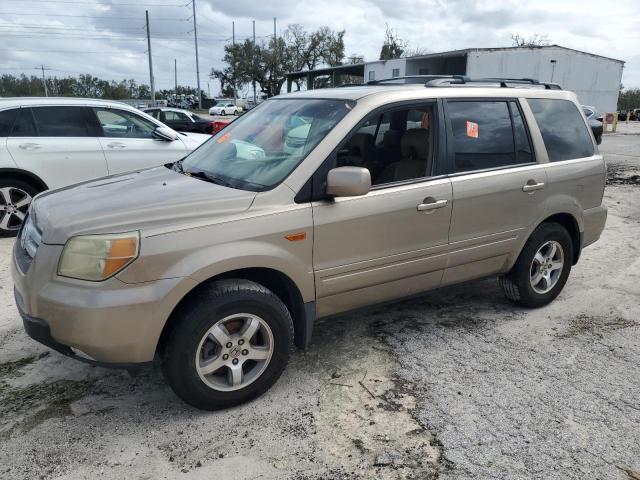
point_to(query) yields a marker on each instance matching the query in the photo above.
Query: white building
(594, 78)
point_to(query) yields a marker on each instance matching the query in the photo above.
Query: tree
(629, 99)
(535, 40)
(393, 46)
(268, 63)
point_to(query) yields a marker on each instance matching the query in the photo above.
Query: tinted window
(483, 136)
(153, 113)
(563, 130)
(523, 146)
(394, 146)
(23, 125)
(124, 124)
(169, 115)
(6, 121)
(61, 121)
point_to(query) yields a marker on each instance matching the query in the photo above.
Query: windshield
(261, 148)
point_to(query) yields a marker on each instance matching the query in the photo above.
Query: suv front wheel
(228, 345)
(542, 269)
(15, 198)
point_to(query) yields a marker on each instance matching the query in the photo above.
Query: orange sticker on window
(472, 129)
(224, 138)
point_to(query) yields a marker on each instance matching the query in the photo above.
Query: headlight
(98, 257)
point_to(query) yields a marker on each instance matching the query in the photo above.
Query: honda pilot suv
(218, 263)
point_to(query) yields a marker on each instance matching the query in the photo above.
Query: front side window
(154, 113)
(563, 130)
(261, 148)
(396, 145)
(176, 116)
(124, 124)
(6, 121)
(485, 137)
(61, 121)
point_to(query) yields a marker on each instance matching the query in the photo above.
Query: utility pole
(275, 55)
(233, 59)
(253, 60)
(153, 89)
(44, 81)
(195, 35)
(175, 74)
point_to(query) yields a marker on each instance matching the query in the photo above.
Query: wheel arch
(25, 176)
(302, 314)
(570, 223)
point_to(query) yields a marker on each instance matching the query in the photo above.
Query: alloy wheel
(14, 203)
(546, 267)
(234, 352)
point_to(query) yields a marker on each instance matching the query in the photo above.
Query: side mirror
(164, 133)
(348, 182)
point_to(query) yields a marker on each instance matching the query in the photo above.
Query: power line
(95, 16)
(138, 4)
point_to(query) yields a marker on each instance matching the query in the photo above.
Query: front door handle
(531, 186)
(116, 145)
(432, 205)
(28, 146)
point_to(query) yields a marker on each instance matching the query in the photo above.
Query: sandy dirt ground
(457, 384)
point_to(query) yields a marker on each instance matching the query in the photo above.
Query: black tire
(223, 112)
(212, 303)
(516, 285)
(19, 184)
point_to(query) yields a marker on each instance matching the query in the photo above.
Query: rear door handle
(424, 207)
(29, 146)
(116, 145)
(531, 187)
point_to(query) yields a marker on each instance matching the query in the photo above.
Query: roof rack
(446, 80)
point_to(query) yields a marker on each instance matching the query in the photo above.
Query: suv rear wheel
(542, 269)
(15, 198)
(228, 345)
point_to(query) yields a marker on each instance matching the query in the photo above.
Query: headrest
(361, 143)
(391, 138)
(415, 143)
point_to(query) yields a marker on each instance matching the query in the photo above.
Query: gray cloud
(106, 37)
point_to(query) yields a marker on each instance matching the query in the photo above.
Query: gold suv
(312, 204)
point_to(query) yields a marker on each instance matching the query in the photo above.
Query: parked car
(596, 124)
(635, 114)
(55, 142)
(219, 124)
(219, 262)
(181, 120)
(622, 115)
(225, 108)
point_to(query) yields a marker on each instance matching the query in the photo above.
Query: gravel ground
(457, 384)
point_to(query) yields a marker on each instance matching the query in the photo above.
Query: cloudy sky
(107, 38)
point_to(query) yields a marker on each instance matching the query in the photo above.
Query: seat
(414, 161)
(360, 151)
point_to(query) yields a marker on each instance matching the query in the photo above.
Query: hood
(193, 140)
(154, 198)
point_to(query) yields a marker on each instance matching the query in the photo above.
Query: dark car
(595, 121)
(181, 120)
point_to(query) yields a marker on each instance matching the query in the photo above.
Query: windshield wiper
(208, 177)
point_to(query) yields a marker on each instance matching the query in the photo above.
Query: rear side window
(23, 125)
(486, 136)
(563, 130)
(61, 121)
(6, 121)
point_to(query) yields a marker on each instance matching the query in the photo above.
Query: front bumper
(110, 322)
(39, 330)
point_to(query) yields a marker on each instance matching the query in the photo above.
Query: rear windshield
(563, 130)
(261, 148)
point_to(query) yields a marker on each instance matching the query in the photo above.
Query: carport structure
(336, 75)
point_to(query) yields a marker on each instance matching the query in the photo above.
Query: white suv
(48, 143)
